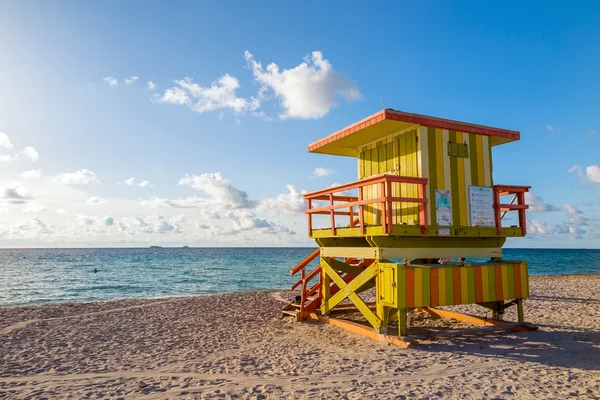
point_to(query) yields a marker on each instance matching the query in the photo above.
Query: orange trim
(457, 285)
(517, 275)
(410, 287)
(419, 119)
(498, 279)
(434, 291)
(478, 285)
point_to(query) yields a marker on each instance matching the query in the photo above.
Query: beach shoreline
(235, 346)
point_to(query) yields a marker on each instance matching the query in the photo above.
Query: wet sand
(236, 346)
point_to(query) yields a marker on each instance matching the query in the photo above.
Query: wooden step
(289, 312)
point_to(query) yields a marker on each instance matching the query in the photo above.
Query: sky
(159, 123)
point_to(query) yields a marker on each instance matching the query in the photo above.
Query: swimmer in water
(95, 270)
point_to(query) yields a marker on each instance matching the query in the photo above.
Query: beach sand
(236, 346)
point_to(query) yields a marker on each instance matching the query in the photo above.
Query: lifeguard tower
(424, 202)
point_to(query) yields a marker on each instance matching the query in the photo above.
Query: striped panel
(480, 172)
(487, 168)
(454, 178)
(444, 286)
(431, 145)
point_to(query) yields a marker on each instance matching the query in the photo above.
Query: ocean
(42, 276)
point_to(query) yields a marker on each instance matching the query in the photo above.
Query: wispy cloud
(81, 177)
(151, 85)
(32, 174)
(131, 80)
(536, 204)
(220, 95)
(323, 171)
(110, 81)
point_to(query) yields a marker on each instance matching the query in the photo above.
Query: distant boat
(185, 247)
(156, 247)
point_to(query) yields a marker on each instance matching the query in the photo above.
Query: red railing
(500, 209)
(305, 291)
(386, 200)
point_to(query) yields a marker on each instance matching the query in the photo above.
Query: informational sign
(481, 202)
(443, 208)
(444, 232)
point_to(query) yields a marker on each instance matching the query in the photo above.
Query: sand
(236, 346)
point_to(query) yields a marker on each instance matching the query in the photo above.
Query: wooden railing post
(309, 218)
(332, 213)
(522, 219)
(497, 211)
(423, 209)
(361, 211)
(388, 200)
(383, 209)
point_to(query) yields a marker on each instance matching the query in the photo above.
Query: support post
(361, 211)
(326, 286)
(520, 314)
(402, 315)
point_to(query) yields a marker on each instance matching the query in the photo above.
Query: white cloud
(220, 95)
(151, 85)
(95, 200)
(152, 224)
(4, 141)
(244, 220)
(219, 189)
(289, 203)
(536, 204)
(571, 209)
(111, 81)
(28, 153)
(81, 177)
(130, 80)
(15, 194)
(34, 208)
(130, 181)
(323, 171)
(536, 226)
(33, 228)
(145, 184)
(32, 174)
(592, 131)
(593, 174)
(307, 91)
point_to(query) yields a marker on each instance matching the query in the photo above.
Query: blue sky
(531, 68)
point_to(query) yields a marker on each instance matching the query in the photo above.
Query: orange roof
(388, 121)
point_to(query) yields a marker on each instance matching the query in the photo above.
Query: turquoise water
(39, 276)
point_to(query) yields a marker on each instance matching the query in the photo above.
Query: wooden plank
(525, 279)
(424, 159)
(457, 285)
(498, 282)
(449, 286)
(473, 159)
(434, 293)
(418, 299)
(471, 283)
(442, 286)
(487, 167)
(431, 145)
(410, 287)
(454, 194)
(426, 299)
(491, 283)
(464, 286)
(401, 271)
(481, 284)
(462, 191)
(505, 282)
(480, 169)
(517, 275)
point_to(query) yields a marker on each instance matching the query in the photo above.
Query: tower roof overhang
(346, 141)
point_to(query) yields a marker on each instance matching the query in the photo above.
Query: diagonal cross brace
(347, 290)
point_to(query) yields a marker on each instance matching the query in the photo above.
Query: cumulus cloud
(219, 189)
(151, 85)
(28, 153)
(288, 203)
(244, 220)
(536, 226)
(590, 176)
(323, 171)
(95, 200)
(188, 202)
(130, 80)
(152, 224)
(307, 91)
(221, 95)
(536, 204)
(81, 177)
(5, 141)
(15, 194)
(32, 174)
(110, 81)
(571, 209)
(33, 228)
